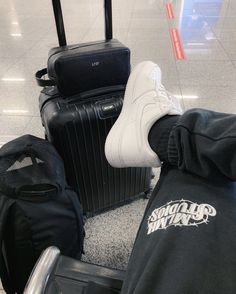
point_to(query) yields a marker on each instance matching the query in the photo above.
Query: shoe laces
(168, 98)
(164, 94)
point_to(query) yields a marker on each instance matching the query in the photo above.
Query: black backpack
(37, 209)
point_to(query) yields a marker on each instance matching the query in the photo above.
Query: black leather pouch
(88, 66)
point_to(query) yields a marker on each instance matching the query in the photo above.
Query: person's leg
(200, 141)
(145, 102)
(188, 218)
(159, 134)
(203, 142)
(150, 130)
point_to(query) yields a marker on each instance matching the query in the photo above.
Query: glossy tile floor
(206, 78)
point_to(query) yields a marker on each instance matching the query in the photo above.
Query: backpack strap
(79, 217)
(5, 205)
(4, 274)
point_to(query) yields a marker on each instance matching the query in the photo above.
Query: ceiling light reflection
(15, 23)
(16, 35)
(14, 111)
(13, 79)
(195, 44)
(187, 96)
(210, 37)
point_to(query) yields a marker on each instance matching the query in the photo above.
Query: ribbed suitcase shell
(78, 129)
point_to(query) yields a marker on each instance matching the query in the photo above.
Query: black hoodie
(186, 243)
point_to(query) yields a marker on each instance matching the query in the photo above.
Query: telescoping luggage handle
(60, 23)
(62, 35)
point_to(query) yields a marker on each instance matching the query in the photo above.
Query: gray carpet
(110, 236)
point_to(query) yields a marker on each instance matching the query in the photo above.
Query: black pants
(204, 143)
(186, 243)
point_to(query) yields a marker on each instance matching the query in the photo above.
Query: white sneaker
(145, 101)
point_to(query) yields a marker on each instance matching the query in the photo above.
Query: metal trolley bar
(42, 270)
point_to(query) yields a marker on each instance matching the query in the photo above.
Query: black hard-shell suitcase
(78, 127)
(54, 274)
(83, 67)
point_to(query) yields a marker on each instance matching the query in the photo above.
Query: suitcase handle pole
(108, 19)
(59, 22)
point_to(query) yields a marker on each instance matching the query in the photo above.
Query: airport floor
(193, 41)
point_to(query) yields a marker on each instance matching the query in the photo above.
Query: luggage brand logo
(180, 213)
(96, 63)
